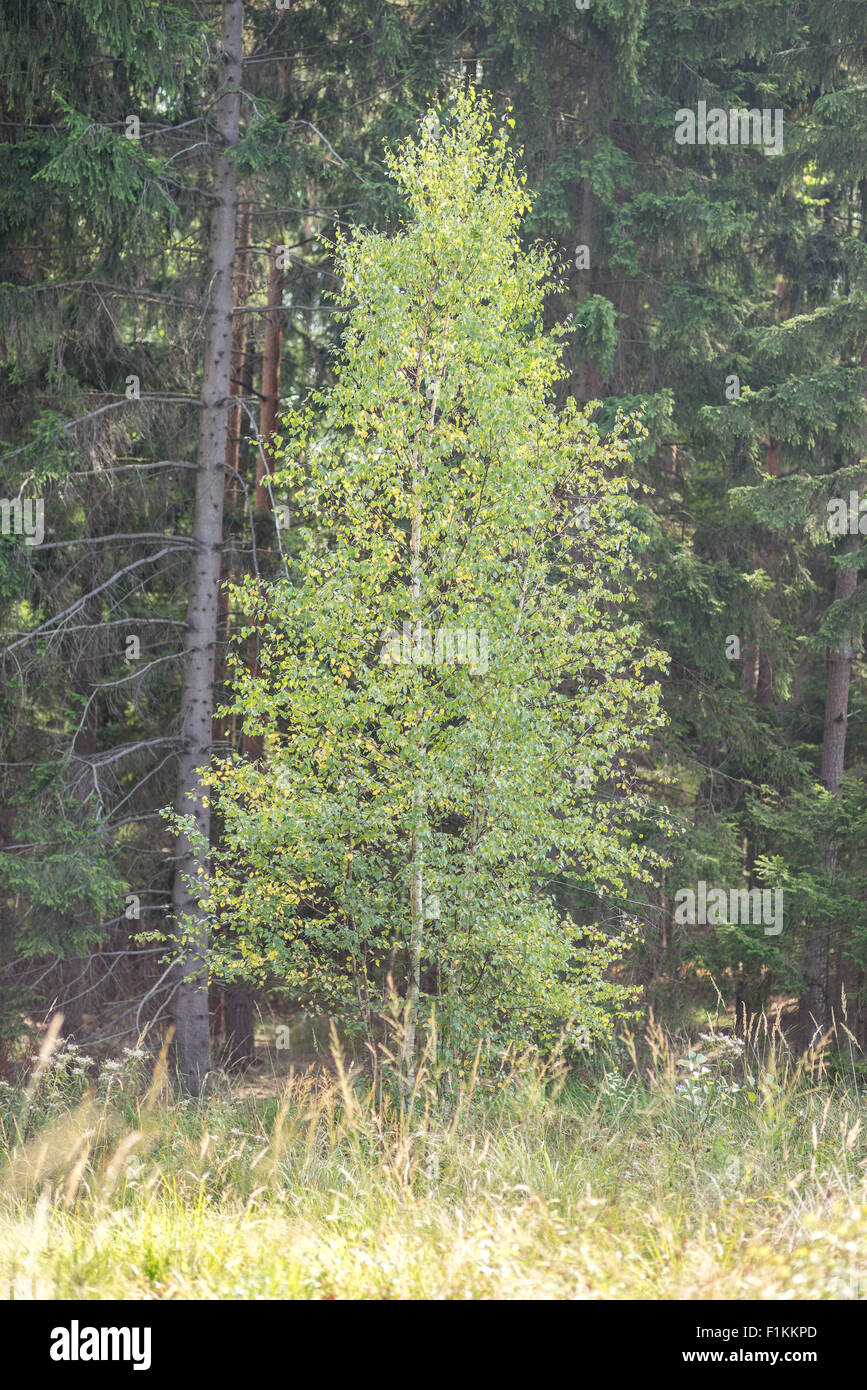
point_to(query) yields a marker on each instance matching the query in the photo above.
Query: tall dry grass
(657, 1169)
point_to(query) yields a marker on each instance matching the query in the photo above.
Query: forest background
(174, 179)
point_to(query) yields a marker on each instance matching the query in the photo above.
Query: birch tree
(449, 680)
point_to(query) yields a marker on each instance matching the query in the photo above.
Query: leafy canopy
(437, 492)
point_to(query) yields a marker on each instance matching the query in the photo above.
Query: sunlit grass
(649, 1175)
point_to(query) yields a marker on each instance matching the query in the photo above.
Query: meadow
(652, 1170)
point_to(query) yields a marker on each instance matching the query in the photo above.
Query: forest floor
(655, 1172)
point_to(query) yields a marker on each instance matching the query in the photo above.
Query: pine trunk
(75, 970)
(252, 743)
(815, 1006)
(223, 732)
(270, 381)
(240, 1047)
(192, 1033)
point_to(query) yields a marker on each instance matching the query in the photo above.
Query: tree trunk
(75, 970)
(192, 1034)
(240, 1048)
(252, 743)
(590, 383)
(416, 888)
(224, 732)
(815, 1010)
(270, 380)
(416, 847)
(239, 347)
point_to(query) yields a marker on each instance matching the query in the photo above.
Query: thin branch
(79, 603)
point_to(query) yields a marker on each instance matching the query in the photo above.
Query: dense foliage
(485, 839)
(447, 686)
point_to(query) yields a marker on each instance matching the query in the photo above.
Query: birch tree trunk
(192, 1033)
(416, 848)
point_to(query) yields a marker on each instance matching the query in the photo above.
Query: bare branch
(50, 623)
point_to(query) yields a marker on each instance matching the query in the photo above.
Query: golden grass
(647, 1175)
